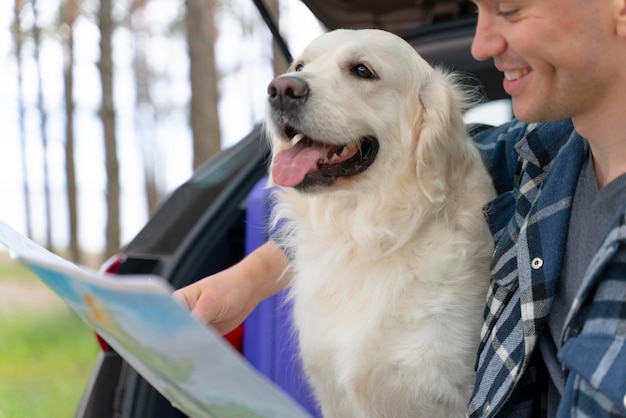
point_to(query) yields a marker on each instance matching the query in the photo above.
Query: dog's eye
(361, 70)
(299, 67)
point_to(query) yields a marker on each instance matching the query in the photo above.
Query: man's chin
(535, 113)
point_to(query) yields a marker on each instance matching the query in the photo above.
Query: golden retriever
(381, 197)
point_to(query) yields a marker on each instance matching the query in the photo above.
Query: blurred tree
(145, 115)
(107, 115)
(18, 40)
(279, 62)
(201, 36)
(43, 124)
(69, 12)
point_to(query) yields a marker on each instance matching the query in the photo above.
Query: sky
(243, 59)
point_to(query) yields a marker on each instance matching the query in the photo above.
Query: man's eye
(507, 14)
(361, 70)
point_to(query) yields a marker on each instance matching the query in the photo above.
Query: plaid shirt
(535, 170)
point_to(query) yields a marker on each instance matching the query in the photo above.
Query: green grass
(45, 361)
(12, 270)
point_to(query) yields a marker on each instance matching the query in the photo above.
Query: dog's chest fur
(387, 327)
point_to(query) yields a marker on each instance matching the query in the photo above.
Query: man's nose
(488, 40)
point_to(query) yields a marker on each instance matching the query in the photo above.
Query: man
(554, 338)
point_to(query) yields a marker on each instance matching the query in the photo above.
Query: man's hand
(225, 299)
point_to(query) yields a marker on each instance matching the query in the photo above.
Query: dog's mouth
(310, 162)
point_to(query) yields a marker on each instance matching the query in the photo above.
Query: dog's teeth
(296, 138)
(336, 156)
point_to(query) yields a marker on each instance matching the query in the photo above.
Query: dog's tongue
(290, 166)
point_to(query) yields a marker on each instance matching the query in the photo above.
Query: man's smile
(513, 75)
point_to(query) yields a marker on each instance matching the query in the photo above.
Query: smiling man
(553, 342)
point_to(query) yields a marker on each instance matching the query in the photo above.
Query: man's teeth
(514, 75)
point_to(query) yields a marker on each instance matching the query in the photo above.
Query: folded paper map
(185, 360)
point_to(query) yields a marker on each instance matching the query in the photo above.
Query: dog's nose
(287, 91)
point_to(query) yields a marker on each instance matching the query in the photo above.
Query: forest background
(107, 106)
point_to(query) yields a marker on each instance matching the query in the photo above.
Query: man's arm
(225, 299)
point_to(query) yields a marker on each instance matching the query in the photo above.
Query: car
(216, 217)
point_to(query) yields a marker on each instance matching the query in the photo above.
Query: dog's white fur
(390, 266)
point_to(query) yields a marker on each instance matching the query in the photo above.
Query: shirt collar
(542, 141)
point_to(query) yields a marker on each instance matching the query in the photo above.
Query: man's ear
(620, 18)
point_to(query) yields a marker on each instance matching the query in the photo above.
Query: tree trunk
(145, 112)
(279, 62)
(201, 35)
(107, 114)
(17, 39)
(68, 18)
(43, 125)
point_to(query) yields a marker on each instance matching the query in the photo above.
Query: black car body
(201, 228)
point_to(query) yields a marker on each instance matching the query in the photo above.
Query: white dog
(382, 196)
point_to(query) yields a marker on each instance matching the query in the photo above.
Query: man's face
(550, 53)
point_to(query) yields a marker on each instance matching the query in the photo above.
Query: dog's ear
(444, 153)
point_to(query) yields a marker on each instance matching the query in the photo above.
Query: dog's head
(356, 103)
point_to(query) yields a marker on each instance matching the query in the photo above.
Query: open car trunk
(440, 30)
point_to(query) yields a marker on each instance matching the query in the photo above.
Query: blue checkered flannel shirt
(535, 170)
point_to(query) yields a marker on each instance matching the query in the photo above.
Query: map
(185, 360)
